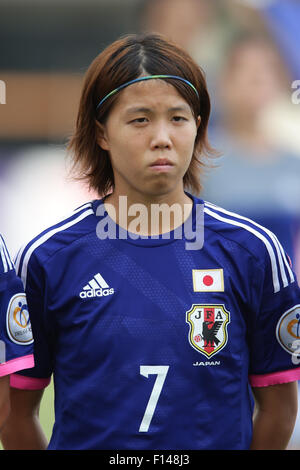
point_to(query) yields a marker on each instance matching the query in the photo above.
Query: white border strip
(21, 250)
(278, 246)
(5, 267)
(46, 237)
(7, 263)
(270, 250)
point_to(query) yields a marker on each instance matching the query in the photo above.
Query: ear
(101, 136)
(198, 121)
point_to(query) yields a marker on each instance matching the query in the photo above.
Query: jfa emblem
(208, 328)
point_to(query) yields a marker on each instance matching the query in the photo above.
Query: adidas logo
(97, 287)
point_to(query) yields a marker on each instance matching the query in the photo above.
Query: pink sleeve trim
(28, 383)
(275, 378)
(20, 363)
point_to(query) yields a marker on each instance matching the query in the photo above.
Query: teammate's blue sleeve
(16, 341)
(275, 334)
(39, 376)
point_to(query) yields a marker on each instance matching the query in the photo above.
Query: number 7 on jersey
(161, 372)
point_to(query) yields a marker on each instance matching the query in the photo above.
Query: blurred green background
(47, 410)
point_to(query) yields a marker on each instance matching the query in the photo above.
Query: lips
(161, 162)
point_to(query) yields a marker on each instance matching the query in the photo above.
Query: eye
(179, 118)
(140, 120)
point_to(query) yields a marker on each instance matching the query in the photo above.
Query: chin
(161, 188)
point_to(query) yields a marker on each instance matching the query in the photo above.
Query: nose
(161, 138)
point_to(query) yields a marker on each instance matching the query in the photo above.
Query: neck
(149, 215)
(246, 130)
(241, 122)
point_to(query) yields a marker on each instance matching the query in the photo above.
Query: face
(254, 80)
(177, 19)
(150, 135)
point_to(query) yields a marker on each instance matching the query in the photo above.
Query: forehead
(154, 93)
(261, 55)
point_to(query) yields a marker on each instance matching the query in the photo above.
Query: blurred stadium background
(249, 50)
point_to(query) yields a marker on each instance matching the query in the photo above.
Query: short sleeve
(39, 376)
(275, 333)
(16, 340)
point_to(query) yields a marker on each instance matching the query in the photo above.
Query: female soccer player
(16, 348)
(162, 318)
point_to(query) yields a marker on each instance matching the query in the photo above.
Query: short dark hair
(126, 59)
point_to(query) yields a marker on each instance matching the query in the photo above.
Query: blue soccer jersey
(16, 348)
(153, 344)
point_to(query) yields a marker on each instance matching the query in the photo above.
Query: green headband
(149, 77)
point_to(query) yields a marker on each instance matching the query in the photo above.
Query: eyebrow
(143, 109)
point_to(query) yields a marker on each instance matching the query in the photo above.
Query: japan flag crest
(208, 328)
(208, 280)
